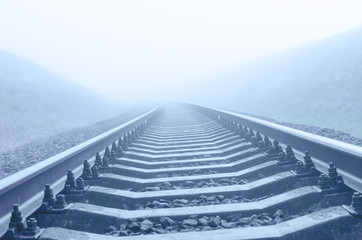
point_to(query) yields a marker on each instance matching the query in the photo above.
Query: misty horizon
(250, 57)
(163, 51)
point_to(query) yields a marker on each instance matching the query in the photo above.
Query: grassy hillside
(318, 84)
(35, 103)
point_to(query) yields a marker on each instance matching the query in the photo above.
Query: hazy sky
(128, 49)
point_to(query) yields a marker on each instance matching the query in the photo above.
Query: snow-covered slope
(318, 84)
(35, 103)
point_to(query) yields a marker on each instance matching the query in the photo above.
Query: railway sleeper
(137, 184)
(182, 135)
(146, 145)
(187, 162)
(97, 219)
(182, 150)
(188, 142)
(187, 155)
(331, 223)
(186, 171)
(207, 138)
(267, 186)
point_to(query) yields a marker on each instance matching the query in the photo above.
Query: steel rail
(346, 157)
(26, 187)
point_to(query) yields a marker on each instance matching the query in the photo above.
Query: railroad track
(190, 172)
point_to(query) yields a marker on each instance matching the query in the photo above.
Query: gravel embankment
(325, 132)
(22, 157)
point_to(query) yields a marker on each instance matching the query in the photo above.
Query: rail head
(26, 187)
(346, 157)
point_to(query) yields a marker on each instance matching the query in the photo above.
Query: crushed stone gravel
(31, 153)
(325, 132)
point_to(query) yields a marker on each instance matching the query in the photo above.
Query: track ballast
(189, 175)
